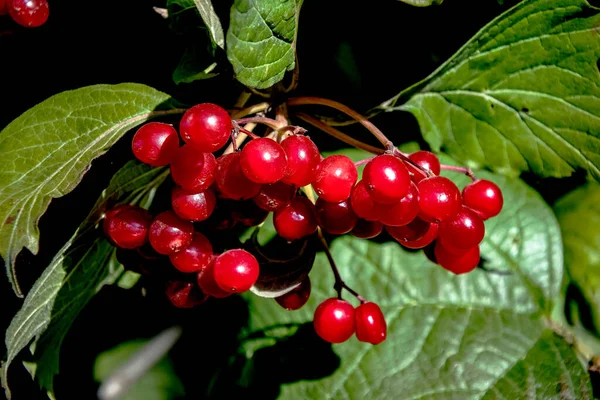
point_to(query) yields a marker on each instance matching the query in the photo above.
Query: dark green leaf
(207, 13)
(522, 95)
(194, 66)
(74, 276)
(47, 150)
(261, 40)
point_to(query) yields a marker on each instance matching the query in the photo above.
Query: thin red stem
(271, 123)
(462, 170)
(363, 162)
(404, 158)
(249, 133)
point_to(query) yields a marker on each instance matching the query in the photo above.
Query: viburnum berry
(462, 231)
(335, 218)
(386, 179)
(29, 13)
(303, 159)
(206, 126)
(3, 7)
(263, 160)
(231, 181)
(193, 206)
(334, 320)
(403, 211)
(297, 297)
(366, 229)
(193, 170)
(370, 323)
(426, 160)
(439, 198)
(416, 235)
(155, 144)
(236, 271)
(484, 197)
(184, 294)
(296, 220)
(195, 256)
(248, 213)
(274, 196)
(169, 233)
(207, 283)
(458, 263)
(362, 203)
(127, 226)
(335, 177)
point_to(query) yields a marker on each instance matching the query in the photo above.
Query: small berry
(335, 218)
(483, 197)
(296, 220)
(362, 203)
(193, 170)
(410, 232)
(430, 235)
(236, 271)
(334, 320)
(195, 256)
(296, 298)
(28, 13)
(263, 161)
(207, 283)
(386, 179)
(155, 144)
(127, 226)
(402, 212)
(193, 206)
(439, 198)
(366, 229)
(184, 294)
(248, 213)
(335, 177)
(274, 196)
(206, 126)
(169, 233)
(231, 181)
(370, 323)
(458, 263)
(462, 231)
(303, 159)
(426, 160)
(4, 7)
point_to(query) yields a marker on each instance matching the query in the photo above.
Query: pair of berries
(27, 13)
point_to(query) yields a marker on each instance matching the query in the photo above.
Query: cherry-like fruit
(335, 177)
(193, 170)
(184, 294)
(195, 256)
(231, 181)
(403, 211)
(155, 144)
(296, 220)
(484, 197)
(362, 203)
(207, 283)
(263, 161)
(169, 233)
(386, 179)
(439, 198)
(127, 226)
(457, 263)
(236, 271)
(274, 196)
(303, 159)
(462, 231)
(370, 323)
(334, 320)
(206, 126)
(29, 13)
(296, 298)
(335, 218)
(366, 229)
(426, 160)
(193, 206)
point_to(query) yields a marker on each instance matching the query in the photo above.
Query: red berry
(169, 233)
(184, 294)
(274, 196)
(155, 144)
(334, 320)
(335, 218)
(462, 231)
(426, 160)
(195, 256)
(231, 181)
(370, 323)
(335, 177)
(236, 271)
(248, 213)
(193, 170)
(193, 206)
(458, 263)
(206, 126)
(362, 203)
(4, 7)
(484, 197)
(263, 161)
(386, 179)
(366, 229)
(423, 241)
(303, 159)
(28, 13)
(296, 220)
(206, 282)
(439, 198)
(127, 226)
(410, 232)
(295, 299)
(402, 212)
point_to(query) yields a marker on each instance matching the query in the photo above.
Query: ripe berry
(483, 197)
(403, 211)
(335, 177)
(193, 206)
(169, 233)
(303, 159)
(400, 233)
(155, 144)
(193, 170)
(462, 231)
(236, 271)
(370, 323)
(386, 179)
(458, 263)
(207, 283)
(362, 203)
(206, 126)
(410, 232)
(263, 161)
(3, 7)
(28, 13)
(426, 160)
(248, 213)
(274, 196)
(334, 320)
(366, 229)
(127, 226)
(296, 298)
(335, 218)
(439, 198)
(184, 294)
(296, 220)
(195, 256)
(231, 181)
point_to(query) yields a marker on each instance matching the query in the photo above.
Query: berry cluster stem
(462, 170)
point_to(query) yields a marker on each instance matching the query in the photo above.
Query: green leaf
(261, 40)
(77, 272)
(522, 95)
(48, 148)
(422, 3)
(207, 13)
(159, 383)
(193, 66)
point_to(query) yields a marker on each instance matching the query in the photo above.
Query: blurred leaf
(194, 66)
(207, 13)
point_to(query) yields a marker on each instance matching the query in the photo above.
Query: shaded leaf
(193, 66)
(207, 13)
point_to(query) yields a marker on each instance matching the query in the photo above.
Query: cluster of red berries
(27, 13)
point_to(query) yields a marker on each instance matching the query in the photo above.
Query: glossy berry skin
(362, 203)
(231, 181)
(184, 294)
(127, 226)
(403, 211)
(334, 320)
(425, 240)
(296, 220)
(386, 179)
(195, 256)
(263, 161)
(483, 197)
(370, 323)
(193, 206)
(439, 198)
(169, 233)
(457, 263)
(207, 283)
(295, 299)
(335, 177)
(426, 160)
(206, 126)
(462, 231)
(28, 13)
(155, 144)
(274, 196)
(303, 159)
(236, 271)
(335, 218)
(412, 231)
(366, 229)
(193, 170)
